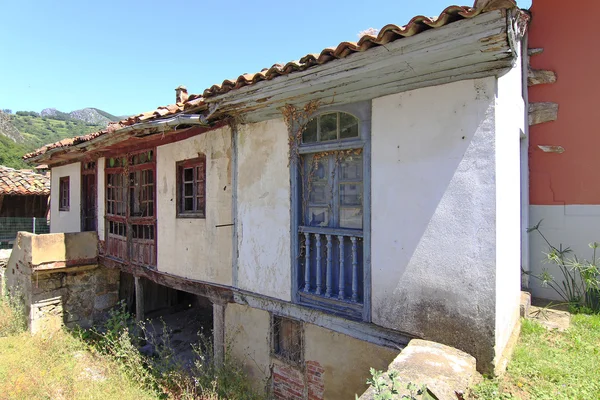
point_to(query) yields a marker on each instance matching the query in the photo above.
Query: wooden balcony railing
(332, 269)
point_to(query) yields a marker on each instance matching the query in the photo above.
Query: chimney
(181, 94)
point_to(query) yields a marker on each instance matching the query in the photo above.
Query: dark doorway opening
(182, 318)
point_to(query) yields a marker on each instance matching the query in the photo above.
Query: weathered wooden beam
(360, 330)
(542, 112)
(139, 299)
(534, 51)
(404, 64)
(219, 332)
(216, 293)
(551, 149)
(540, 77)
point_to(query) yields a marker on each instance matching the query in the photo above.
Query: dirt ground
(183, 329)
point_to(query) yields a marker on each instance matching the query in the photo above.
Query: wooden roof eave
(62, 155)
(467, 49)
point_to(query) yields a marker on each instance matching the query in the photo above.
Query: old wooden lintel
(542, 112)
(360, 330)
(212, 291)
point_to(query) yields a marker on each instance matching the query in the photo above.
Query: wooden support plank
(534, 51)
(540, 77)
(360, 330)
(542, 112)
(219, 332)
(139, 299)
(210, 290)
(551, 149)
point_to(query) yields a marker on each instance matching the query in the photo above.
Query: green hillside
(36, 132)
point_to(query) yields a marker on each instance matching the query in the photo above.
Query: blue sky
(127, 56)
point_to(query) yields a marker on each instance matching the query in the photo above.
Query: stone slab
(444, 369)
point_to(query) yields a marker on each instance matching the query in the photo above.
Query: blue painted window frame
(362, 111)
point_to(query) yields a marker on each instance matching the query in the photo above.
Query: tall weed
(579, 283)
(12, 314)
(121, 338)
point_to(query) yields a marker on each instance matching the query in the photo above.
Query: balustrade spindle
(341, 274)
(354, 269)
(307, 262)
(319, 284)
(328, 278)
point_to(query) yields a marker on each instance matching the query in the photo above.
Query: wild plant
(389, 386)
(579, 284)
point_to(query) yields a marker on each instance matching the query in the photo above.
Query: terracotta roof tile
(387, 34)
(23, 182)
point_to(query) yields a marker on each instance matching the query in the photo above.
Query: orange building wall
(570, 36)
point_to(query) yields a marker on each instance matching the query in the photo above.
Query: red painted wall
(570, 36)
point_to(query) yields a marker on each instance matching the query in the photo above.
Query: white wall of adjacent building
(66, 221)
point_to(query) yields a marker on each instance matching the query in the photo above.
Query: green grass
(551, 364)
(59, 367)
(82, 364)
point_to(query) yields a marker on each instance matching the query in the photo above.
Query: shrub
(388, 387)
(12, 315)
(579, 285)
(120, 338)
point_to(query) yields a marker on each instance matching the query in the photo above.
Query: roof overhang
(479, 46)
(467, 49)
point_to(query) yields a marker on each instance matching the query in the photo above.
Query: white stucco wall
(510, 122)
(194, 247)
(263, 209)
(66, 221)
(574, 226)
(101, 193)
(433, 214)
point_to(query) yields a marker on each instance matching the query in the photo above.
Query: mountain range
(24, 131)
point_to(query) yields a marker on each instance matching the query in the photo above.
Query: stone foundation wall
(81, 296)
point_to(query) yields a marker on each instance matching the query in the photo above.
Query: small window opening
(64, 194)
(287, 339)
(191, 188)
(331, 126)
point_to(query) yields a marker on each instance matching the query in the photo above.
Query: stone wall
(58, 278)
(77, 296)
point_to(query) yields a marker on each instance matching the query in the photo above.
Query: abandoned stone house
(330, 209)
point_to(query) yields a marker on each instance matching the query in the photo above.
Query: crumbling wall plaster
(335, 366)
(263, 209)
(247, 339)
(343, 362)
(434, 215)
(196, 248)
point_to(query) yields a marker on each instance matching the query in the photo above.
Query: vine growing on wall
(296, 120)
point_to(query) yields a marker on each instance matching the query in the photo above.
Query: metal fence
(9, 226)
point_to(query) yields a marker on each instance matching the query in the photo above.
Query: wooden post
(139, 299)
(219, 331)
